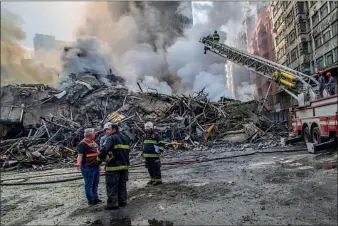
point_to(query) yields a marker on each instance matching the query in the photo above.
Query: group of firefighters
(113, 152)
(330, 85)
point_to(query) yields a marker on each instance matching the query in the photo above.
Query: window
(289, 18)
(315, 19)
(305, 47)
(329, 58)
(335, 29)
(326, 35)
(333, 5)
(324, 11)
(301, 8)
(336, 54)
(302, 26)
(292, 36)
(294, 54)
(270, 100)
(318, 41)
(320, 62)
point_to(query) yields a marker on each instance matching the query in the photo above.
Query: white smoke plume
(246, 91)
(146, 42)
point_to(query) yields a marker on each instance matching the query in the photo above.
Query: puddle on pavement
(129, 222)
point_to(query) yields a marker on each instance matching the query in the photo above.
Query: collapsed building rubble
(40, 124)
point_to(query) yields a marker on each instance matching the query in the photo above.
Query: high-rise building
(237, 75)
(305, 38)
(43, 42)
(261, 44)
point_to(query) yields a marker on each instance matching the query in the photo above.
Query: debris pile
(41, 124)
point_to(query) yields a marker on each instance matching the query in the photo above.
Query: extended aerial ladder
(302, 87)
(315, 119)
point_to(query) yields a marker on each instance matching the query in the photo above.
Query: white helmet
(108, 125)
(149, 125)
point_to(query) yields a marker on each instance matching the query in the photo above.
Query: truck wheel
(316, 135)
(307, 135)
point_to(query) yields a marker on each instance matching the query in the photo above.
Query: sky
(59, 19)
(51, 18)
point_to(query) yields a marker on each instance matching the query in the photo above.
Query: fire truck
(314, 119)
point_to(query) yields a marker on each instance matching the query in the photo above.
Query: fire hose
(174, 163)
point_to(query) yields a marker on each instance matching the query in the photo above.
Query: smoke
(15, 68)
(246, 92)
(148, 44)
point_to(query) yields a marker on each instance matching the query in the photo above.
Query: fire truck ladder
(302, 87)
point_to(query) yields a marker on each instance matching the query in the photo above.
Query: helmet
(328, 74)
(112, 125)
(149, 125)
(215, 32)
(108, 125)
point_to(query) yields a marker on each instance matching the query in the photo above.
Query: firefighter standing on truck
(116, 155)
(152, 148)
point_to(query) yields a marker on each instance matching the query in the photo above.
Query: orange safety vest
(91, 155)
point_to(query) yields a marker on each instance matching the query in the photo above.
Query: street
(274, 188)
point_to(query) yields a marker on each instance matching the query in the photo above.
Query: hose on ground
(183, 162)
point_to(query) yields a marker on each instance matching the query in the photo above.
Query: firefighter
(90, 168)
(331, 84)
(152, 147)
(116, 155)
(321, 80)
(215, 37)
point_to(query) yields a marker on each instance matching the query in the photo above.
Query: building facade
(261, 44)
(305, 38)
(236, 74)
(44, 43)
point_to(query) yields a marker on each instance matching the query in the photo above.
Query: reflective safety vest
(90, 158)
(116, 153)
(152, 146)
(215, 37)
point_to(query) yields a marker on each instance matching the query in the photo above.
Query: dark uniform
(152, 158)
(216, 37)
(117, 150)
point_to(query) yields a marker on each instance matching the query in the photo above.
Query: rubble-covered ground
(224, 162)
(41, 126)
(275, 188)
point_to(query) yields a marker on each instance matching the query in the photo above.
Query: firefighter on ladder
(215, 37)
(152, 148)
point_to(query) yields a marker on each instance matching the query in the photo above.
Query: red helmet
(328, 74)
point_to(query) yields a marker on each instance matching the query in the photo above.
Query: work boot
(92, 203)
(122, 204)
(157, 183)
(97, 201)
(150, 182)
(112, 206)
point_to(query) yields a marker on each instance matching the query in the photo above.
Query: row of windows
(323, 12)
(326, 35)
(326, 60)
